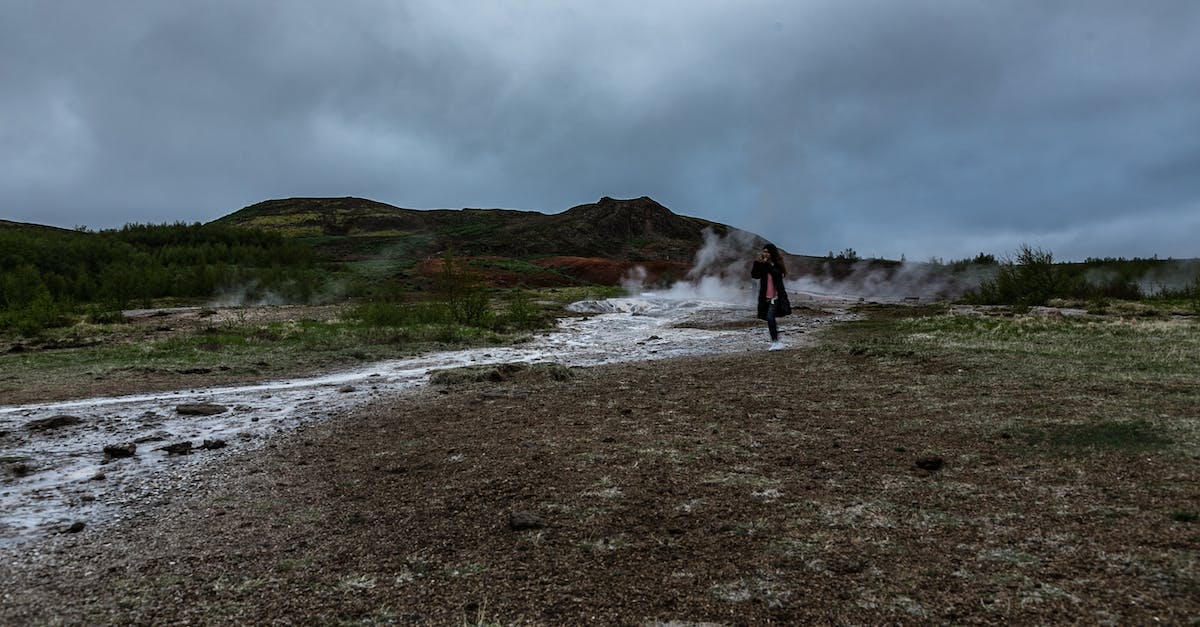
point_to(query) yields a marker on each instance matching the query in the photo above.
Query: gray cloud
(924, 128)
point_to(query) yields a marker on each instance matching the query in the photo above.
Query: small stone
(53, 422)
(178, 448)
(346, 389)
(930, 463)
(99, 476)
(126, 449)
(523, 521)
(75, 527)
(200, 409)
(212, 445)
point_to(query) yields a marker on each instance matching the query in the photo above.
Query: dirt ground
(797, 486)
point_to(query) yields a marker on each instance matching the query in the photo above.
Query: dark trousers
(772, 326)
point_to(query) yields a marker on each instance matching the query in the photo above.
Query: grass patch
(1065, 383)
(1185, 517)
(1151, 350)
(1137, 435)
(240, 348)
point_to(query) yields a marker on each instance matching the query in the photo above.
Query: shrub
(102, 315)
(522, 312)
(401, 314)
(460, 289)
(41, 313)
(1032, 279)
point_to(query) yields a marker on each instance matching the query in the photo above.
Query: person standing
(772, 298)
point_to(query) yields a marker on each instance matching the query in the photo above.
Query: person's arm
(759, 270)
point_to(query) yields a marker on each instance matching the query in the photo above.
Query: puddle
(53, 478)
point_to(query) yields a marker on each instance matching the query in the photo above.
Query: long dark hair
(776, 258)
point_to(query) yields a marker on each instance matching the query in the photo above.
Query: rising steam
(720, 271)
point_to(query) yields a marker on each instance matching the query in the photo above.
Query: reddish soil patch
(613, 271)
(492, 271)
(559, 271)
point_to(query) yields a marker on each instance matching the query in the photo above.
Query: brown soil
(559, 271)
(613, 271)
(798, 486)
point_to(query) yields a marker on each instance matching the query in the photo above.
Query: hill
(638, 229)
(597, 242)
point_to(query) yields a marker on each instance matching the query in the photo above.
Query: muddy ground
(797, 486)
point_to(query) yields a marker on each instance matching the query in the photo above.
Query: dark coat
(760, 270)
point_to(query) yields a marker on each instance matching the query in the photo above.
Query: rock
(523, 521)
(843, 565)
(75, 527)
(346, 389)
(498, 373)
(929, 463)
(178, 448)
(53, 422)
(212, 445)
(195, 371)
(200, 409)
(99, 476)
(22, 470)
(157, 436)
(126, 449)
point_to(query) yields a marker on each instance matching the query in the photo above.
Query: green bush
(1032, 279)
(462, 292)
(401, 314)
(522, 312)
(105, 315)
(473, 309)
(41, 313)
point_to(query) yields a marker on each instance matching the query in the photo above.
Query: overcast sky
(894, 127)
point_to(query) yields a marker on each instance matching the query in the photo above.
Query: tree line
(48, 275)
(1033, 278)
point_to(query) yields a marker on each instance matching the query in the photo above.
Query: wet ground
(67, 465)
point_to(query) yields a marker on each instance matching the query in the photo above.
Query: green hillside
(637, 229)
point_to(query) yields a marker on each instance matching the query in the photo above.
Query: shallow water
(55, 478)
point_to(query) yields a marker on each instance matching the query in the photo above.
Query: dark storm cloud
(921, 128)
